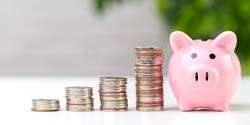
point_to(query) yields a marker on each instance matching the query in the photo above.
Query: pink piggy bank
(203, 74)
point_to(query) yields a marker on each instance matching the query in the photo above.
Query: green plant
(205, 18)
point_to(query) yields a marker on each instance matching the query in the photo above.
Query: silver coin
(114, 106)
(140, 87)
(148, 75)
(79, 98)
(112, 92)
(151, 48)
(44, 105)
(80, 102)
(45, 100)
(149, 61)
(79, 108)
(148, 67)
(112, 79)
(149, 99)
(121, 89)
(79, 88)
(155, 108)
(103, 98)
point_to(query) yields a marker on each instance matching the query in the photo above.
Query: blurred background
(97, 37)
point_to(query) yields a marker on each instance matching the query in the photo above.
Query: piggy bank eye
(193, 55)
(212, 56)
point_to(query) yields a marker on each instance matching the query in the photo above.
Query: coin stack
(149, 79)
(113, 95)
(79, 98)
(45, 105)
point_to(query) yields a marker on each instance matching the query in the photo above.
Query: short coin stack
(79, 98)
(113, 95)
(149, 79)
(45, 105)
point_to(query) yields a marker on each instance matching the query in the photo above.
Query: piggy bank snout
(202, 77)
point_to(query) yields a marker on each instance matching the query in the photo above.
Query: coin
(80, 101)
(113, 80)
(113, 109)
(45, 105)
(148, 52)
(149, 78)
(149, 61)
(149, 99)
(79, 108)
(155, 108)
(79, 98)
(113, 95)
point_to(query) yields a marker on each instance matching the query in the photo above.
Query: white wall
(66, 37)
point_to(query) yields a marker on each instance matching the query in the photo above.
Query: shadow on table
(232, 107)
(239, 107)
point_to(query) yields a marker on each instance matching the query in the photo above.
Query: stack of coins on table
(113, 95)
(45, 105)
(79, 98)
(149, 79)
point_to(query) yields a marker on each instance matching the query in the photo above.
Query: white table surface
(16, 94)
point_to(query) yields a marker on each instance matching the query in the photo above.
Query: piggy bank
(203, 74)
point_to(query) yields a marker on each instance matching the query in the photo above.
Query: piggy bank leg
(221, 107)
(184, 107)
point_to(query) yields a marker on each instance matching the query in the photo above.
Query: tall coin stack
(113, 95)
(149, 79)
(79, 98)
(45, 105)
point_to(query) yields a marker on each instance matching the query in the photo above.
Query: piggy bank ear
(226, 40)
(179, 39)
